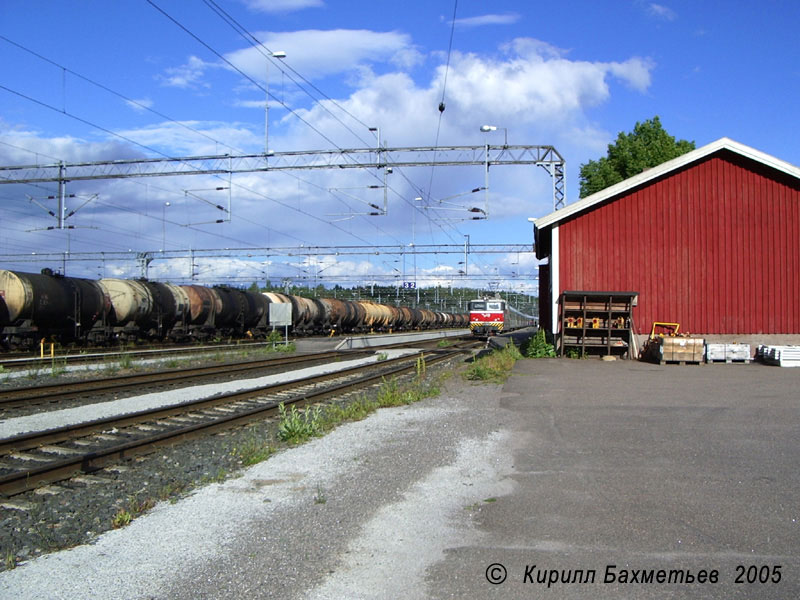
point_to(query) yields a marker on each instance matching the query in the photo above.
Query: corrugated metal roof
(663, 169)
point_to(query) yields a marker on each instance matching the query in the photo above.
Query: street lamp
(277, 54)
(487, 128)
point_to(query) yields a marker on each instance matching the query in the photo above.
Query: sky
(101, 81)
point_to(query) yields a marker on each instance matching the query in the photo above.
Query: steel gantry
(485, 155)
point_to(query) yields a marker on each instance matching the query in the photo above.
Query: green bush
(296, 427)
(538, 346)
(495, 367)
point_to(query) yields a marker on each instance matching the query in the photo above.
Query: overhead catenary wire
(122, 96)
(426, 215)
(254, 82)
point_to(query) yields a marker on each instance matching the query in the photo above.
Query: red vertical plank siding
(714, 246)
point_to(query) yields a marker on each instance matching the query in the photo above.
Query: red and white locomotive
(490, 316)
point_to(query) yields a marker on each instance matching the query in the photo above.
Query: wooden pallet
(680, 362)
(729, 361)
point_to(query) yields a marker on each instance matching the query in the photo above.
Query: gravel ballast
(361, 512)
(60, 418)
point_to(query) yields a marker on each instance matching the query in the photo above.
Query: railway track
(19, 360)
(30, 460)
(53, 393)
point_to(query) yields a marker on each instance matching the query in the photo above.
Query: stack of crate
(728, 353)
(679, 349)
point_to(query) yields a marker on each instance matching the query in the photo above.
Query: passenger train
(69, 310)
(490, 316)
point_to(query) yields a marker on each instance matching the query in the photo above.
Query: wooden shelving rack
(596, 322)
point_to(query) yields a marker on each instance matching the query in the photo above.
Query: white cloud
(505, 19)
(195, 138)
(189, 75)
(279, 6)
(140, 105)
(634, 71)
(316, 53)
(662, 12)
(536, 82)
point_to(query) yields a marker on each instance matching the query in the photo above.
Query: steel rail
(10, 398)
(18, 482)
(24, 359)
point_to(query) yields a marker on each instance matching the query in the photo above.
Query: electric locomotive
(490, 316)
(487, 316)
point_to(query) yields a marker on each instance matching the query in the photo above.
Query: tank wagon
(70, 310)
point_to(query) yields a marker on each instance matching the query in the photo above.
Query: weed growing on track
(135, 507)
(121, 519)
(320, 497)
(495, 366)
(253, 450)
(296, 427)
(10, 560)
(58, 366)
(390, 393)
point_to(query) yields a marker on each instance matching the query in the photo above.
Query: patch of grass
(121, 519)
(221, 476)
(444, 344)
(296, 427)
(253, 450)
(392, 394)
(355, 410)
(494, 367)
(172, 363)
(171, 491)
(539, 347)
(125, 361)
(382, 356)
(137, 506)
(320, 497)
(10, 560)
(58, 366)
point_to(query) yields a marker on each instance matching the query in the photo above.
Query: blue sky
(571, 75)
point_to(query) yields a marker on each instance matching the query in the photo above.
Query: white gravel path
(61, 418)
(404, 538)
(397, 486)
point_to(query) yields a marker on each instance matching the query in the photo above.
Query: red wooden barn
(710, 240)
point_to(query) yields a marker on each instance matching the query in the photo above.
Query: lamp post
(164, 226)
(466, 253)
(486, 129)
(277, 54)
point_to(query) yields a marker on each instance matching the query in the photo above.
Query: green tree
(647, 146)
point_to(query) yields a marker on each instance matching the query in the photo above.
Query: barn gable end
(710, 240)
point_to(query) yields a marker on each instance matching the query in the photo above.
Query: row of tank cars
(69, 310)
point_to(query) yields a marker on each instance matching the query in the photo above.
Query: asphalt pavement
(636, 480)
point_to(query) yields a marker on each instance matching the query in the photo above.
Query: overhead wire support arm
(358, 158)
(282, 251)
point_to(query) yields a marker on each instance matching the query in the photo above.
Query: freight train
(490, 316)
(69, 310)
